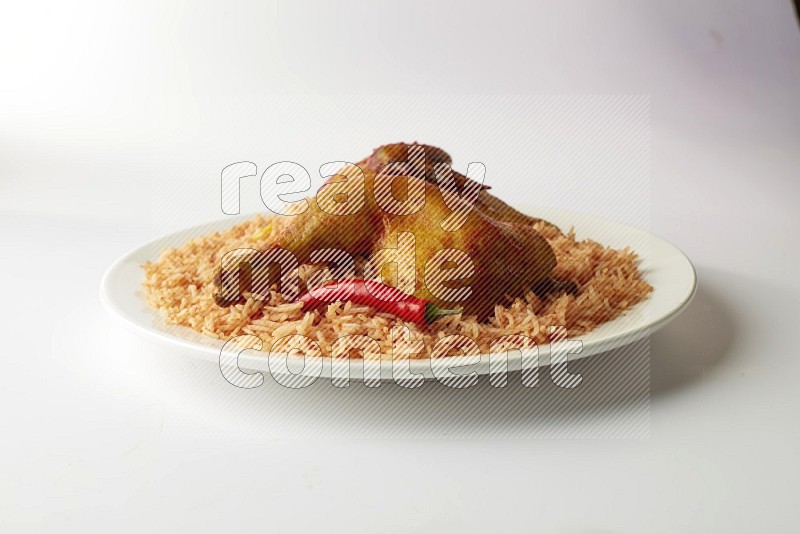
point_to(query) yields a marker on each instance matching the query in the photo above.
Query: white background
(115, 120)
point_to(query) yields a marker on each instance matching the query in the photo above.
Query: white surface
(663, 266)
(111, 116)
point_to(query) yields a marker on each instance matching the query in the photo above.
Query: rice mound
(180, 286)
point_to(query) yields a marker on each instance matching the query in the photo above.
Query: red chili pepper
(376, 295)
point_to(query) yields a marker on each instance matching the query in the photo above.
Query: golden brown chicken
(426, 229)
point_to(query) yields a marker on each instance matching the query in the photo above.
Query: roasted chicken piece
(349, 213)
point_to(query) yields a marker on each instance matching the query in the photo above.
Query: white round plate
(665, 267)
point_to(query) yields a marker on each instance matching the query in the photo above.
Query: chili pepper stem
(433, 312)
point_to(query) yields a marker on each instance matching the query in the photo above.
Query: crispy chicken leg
(507, 255)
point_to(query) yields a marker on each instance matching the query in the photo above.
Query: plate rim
(417, 365)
